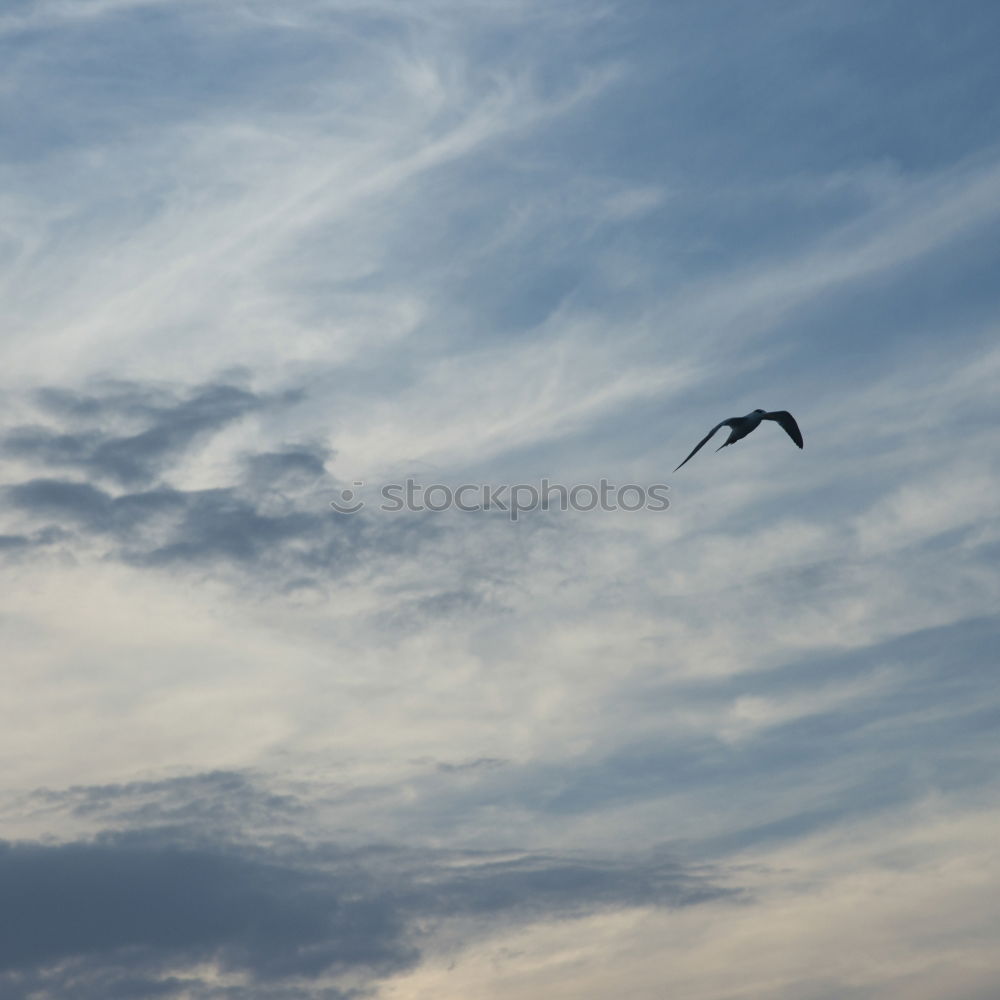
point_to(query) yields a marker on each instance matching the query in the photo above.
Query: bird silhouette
(740, 427)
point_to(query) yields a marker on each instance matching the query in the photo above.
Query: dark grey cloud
(16, 546)
(219, 524)
(47, 536)
(14, 542)
(292, 466)
(470, 765)
(107, 398)
(150, 427)
(136, 904)
(212, 801)
(132, 912)
(76, 503)
(166, 526)
(272, 515)
(268, 521)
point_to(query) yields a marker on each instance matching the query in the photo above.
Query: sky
(262, 255)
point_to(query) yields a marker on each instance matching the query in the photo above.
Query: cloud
(171, 426)
(276, 469)
(266, 184)
(75, 502)
(160, 910)
(14, 544)
(214, 528)
(274, 510)
(145, 906)
(217, 801)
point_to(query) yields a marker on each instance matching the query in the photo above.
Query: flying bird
(742, 426)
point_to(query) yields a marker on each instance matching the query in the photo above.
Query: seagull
(742, 426)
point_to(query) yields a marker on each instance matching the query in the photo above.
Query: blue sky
(253, 253)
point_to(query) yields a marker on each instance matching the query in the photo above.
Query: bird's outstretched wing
(704, 440)
(787, 421)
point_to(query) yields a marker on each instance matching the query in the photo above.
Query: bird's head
(759, 410)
